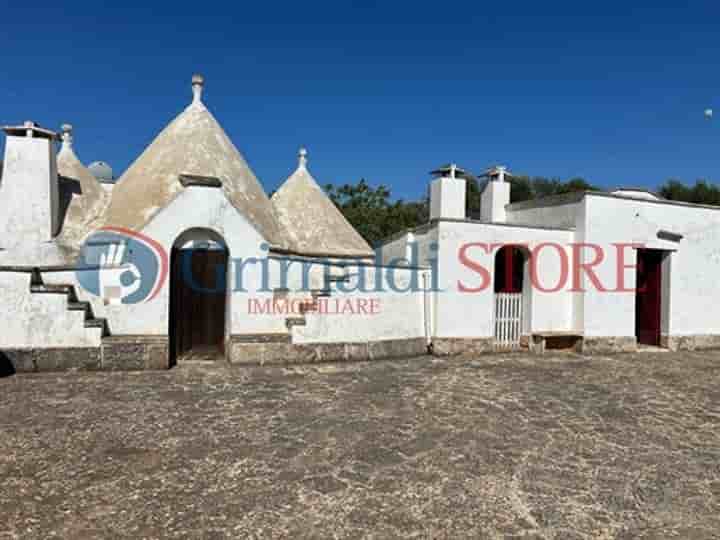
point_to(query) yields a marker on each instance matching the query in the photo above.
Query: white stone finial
(302, 157)
(501, 171)
(67, 137)
(198, 81)
(29, 125)
(453, 170)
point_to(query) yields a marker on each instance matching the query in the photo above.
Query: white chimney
(447, 193)
(29, 208)
(495, 196)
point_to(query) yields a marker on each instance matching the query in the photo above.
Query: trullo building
(187, 257)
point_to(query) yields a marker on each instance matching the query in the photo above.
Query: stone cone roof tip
(194, 143)
(83, 201)
(311, 221)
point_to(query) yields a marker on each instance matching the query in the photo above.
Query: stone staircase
(73, 304)
(311, 304)
(279, 347)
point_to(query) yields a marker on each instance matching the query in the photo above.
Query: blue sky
(609, 91)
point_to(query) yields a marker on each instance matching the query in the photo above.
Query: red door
(648, 296)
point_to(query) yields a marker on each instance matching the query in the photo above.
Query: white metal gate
(508, 320)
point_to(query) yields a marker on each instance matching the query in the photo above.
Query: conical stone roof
(193, 144)
(83, 201)
(311, 222)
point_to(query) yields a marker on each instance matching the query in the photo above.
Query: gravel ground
(502, 446)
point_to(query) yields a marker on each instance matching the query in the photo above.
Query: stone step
(98, 323)
(69, 290)
(309, 306)
(321, 293)
(295, 321)
(73, 304)
(280, 292)
(275, 337)
(337, 279)
(81, 306)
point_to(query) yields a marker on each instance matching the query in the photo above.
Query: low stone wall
(126, 353)
(51, 359)
(608, 345)
(269, 351)
(455, 346)
(690, 343)
(131, 353)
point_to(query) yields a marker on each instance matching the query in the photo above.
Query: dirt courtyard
(508, 446)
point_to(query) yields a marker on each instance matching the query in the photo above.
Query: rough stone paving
(505, 446)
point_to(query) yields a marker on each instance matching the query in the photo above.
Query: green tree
(472, 197)
(547, 187)
(703, 192)
(371, 211)
(375, 216)
(520, 189)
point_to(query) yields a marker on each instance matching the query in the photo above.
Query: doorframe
(197, 238)
(663, 294)
(526, 285)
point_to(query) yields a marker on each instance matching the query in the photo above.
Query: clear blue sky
(386, 90)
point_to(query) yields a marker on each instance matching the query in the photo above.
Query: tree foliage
(371, 211)
(376, 216)
(702, 192)
(524, 188)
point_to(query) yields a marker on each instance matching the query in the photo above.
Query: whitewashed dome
(102, 171)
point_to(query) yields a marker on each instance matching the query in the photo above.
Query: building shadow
(67, 187)
(6, 366)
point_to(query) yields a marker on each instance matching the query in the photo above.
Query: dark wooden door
(197, 306)
(648, 296)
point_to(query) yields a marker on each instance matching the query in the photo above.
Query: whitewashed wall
(692, 272)
(201, 208)
(470, 314)
(401, 315)
(555, 215)
(401, 308)
(194, 208)
(29, 211)
(398, 250)
(39, 320)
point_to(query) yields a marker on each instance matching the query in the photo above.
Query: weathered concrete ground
(494, 447)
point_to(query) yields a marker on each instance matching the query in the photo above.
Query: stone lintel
(203, 181)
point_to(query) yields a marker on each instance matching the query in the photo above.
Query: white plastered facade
(430, 284)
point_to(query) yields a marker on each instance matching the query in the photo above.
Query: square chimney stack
(448, 193)
(495, 196)
(29, 207)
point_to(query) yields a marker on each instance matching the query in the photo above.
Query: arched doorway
(511, 286)
(198, 296)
